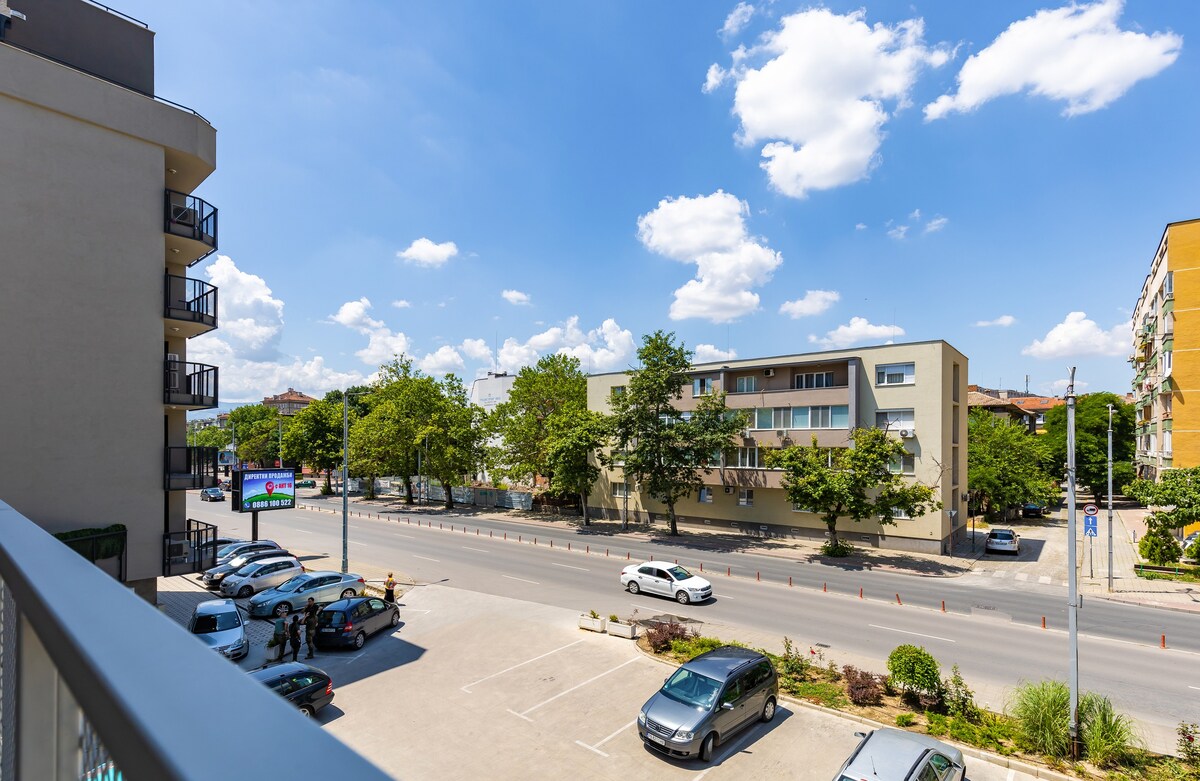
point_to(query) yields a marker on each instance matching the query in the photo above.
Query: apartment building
(1166, 364)
(98, 228)
(917, 390)
(289, 402)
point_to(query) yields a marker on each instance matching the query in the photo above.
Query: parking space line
(581, 743)
(906, 632)
(523, 580)
(618, 732)
(477, 550)
(518, 715)
(467, 688)
(415, 556)
(568, 566)
(577, 686)
(1022, 576)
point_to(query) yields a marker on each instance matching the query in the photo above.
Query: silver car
(323, 587)
(233, 549)
(1003, 541)
(218, 623)
(896, 755)
(212, 577)
(666, 580)
(259, 576)
(709, 700)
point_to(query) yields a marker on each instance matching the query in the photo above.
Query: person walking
(389, 589)
(310, 625)
(279, 637)
(294, 636)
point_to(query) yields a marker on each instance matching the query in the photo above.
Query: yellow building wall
(1183, 260)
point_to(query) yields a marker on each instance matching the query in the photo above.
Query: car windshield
(215, 622)
(691, 688)
(249, 569)
(228, 549)
(679, 573)
(293, 583)
(1002, 535)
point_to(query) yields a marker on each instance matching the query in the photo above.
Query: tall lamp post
(1110, 523)
(1072, 575)
(345, 476)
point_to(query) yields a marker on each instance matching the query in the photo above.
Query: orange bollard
(728, 572)
(1043, 622)
(568, 546)
(490, 534)
(535, 540)
(758, 576)
(606, 553)
(898, 602)
(943, 606)
(825, 587)
(439, 524)
(589, 550)
(477, 533)
(702, 566)
(552, 543)
(1163, 643)
(676, 562)
(519, 538)
(626, 555)
(451, 527)
(789, 580)
(860, 596)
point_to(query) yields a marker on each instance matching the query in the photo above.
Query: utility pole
(345, 472)
(1110, 523)
(1072, 574)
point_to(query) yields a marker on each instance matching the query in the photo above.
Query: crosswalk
(1020, 577)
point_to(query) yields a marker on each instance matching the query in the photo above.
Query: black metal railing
(100, 545)
(194, 550)
(193, 300)
(187, 384)
(192, 218)
(190, 467)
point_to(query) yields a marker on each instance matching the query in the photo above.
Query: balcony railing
(191, 302)
(192, 219)
(188, 551)
(187, 468)
(81, 700)
(190, 385)
(103, 547)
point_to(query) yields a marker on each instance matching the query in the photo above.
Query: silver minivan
(259, 576)
(709, 700)
(219, 625)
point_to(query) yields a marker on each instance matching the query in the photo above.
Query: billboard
(226, 458)
(264, 489)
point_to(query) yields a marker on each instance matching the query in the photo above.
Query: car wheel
(307, 712)
(395, 617)
(768, 710)
(347, 593)
(633, 587)
(283, 608)
(682, 598)
(359, 639)
(245, 592)
(707, 746)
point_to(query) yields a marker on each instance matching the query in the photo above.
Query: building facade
(99, 227)
(1165, 360)
(289, 402)
(916, 390)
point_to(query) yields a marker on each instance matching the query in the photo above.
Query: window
(747, 457)
(894, 419)
(940, 764)
(836, 416)
(956, 381)
(617, 390)
(747, 384)
(1166, 361)
(1041, 418)
(745, 497)
(901, 515)
(819, 417)
(799, 417)
(904, 465)
(796, 508)
(772, 418)
(813, 380)
(702, 386)
(620, 490)
(895, 374)
(705, 496)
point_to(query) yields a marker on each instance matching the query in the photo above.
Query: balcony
(187, 468)
(190, 551)
(191, 227)
(82, 701)
(190, 305)
(189, 385)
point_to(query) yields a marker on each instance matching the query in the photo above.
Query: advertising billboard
(226, 458)
(264, 489)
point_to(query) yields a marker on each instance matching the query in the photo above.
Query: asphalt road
(992, 631)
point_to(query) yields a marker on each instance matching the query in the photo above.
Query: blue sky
(479, 184)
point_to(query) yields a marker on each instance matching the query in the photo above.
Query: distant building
(289, 402)
(1032, 403)
(1003, 408)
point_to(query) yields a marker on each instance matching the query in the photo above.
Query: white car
(259, 576)
(667, 580)
(1003, 541)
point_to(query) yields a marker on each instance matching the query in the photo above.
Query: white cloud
(860, 226)
(1003, 321)
(382, 344)
(898, 232)
(856, 331)
(814, 303)
(515, 297)
(1077, 335)
(251, 317)
(401, 304)
(710, 231)
(714, 78)
(424, 252)
(443, 360)
(915, 215)
(818, 92)
(1076, 54)
(1060, 386)
(477, 350)
(737, 20)
(936, 224)
(708, 353)
(601, 349)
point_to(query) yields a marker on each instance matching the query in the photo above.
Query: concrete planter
(618, 629)
(592, 624)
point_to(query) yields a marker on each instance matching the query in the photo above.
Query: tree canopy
(1091, 441)
(315, 437)
(1004, 464)
(255, 429)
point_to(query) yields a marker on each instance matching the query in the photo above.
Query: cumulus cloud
(401, 304)
(714, 78)
(515, 297)
(251, 317)
(899, 232)
(477, 350)
(814, 303)
(1076, 54)
(382, 343)
(737, 20)
(708, 353)
(710, 231)
(859, 329)
(424, 252)
(936, 224)
(860, 226)
(1060, 386)
(1077, 335)
(1003, 321)
(818, 91)
(603, 348)
(443, 360)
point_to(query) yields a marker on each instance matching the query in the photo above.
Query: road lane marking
(906, 632)
(406, 536)
(568, 566)
(722, 596)
(426, 558)
(356, 542)
(301, 531)
(581, 743)
(1194, 687)
(1011, 774)
(577, 686)
(643, 607)
(523, 580)
(515, 666)
(477, 550)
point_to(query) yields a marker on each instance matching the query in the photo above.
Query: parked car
(709, 700)
(212, 577)
(227, 554)
(260, 575)
(218, 623)
(324, 587)
(351, 621)
(306, 483)
(1003, 541)
(896, 755)
(667, 580)
(225, 485)
(1032, 510)
(212, 495)
(1188, 541)
(305, 686)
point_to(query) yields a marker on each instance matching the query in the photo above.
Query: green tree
(1091, 441)
(915, 669)
(454, 433)
(1176, 497)
(1158, 546)
(256, 430)
(663, 449)
(854, 482)
(1004, 463)
(315, 438)
(572, 454)
(404, 400)
(210, 436)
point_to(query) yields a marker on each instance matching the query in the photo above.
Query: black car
(212, 495)
(1032, 510)
(351, 621)
(307, 687)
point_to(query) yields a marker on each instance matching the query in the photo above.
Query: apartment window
(702, 386)
(617, 390)
(957, 379)
(747, 457)
(1169, 284)
(799, 417)
(954, 466)
(620, 490)
(746, 497)
(1166, 362)
(954, 424)
(1166, 405)
(1166, 440)
(1041, 418)
(772, 418)
(895, 374)
(904, 465)
(835, 416)
(894, 419)
(814, 380)
(746, 384)
(705, 496)
(901, 515)
(797, 508)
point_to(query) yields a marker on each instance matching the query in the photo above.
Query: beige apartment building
(916, 390)
(98, 228)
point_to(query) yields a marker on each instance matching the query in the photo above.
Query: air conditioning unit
(182, 215)
(179, 551)
(781, 434)
(768, 372)
(745, 433)
(174, 372)
(907, 433)
(728, 489)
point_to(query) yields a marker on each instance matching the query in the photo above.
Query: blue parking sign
(1091, 526)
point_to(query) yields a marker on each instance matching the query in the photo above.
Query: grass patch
(827, 693)
(1185, 574)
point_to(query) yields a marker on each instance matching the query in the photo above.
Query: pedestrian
(310, 625)
(279, 638)
(389, 589)
(294, 636)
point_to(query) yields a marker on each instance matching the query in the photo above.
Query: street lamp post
(1072, 575)
(1110, 523)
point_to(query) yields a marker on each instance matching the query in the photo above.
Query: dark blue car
(349, 622)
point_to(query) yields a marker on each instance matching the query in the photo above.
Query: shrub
(1042, 711)
(1108, 737)
(906, 719)
(821, 692)
(915, 669)
(1193, 551)
(95, 550)
(862, 687)
(612, 618)
(693, 645)
(1189, 742)
(935, 724)
(837, 548)
(1158, 546)
(958, 698)
(661, 636)
(793, 663)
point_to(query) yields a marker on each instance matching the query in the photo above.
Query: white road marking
(301, 531)
(356, 542)
(1011, 774)
(568, 566)
(426, 558)
(581, 743)
(1194, 687)
(1022, 576)
(406, 536)
(618, 732)
(998, 573)
(412, 609)
(518, 715)
(721, 596)
(523, 580)
(515, 666)
(577, 686)
(643, 607)
(1044, 579)
(906, 632)
(477, 550)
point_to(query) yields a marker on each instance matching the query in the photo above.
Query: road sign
(1090, 531)
(1090, 509)
(1090, 526)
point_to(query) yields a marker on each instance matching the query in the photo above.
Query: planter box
(622, 630)
(592, 624)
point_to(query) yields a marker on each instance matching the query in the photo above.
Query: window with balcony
(705, 495)
(895, 374)
(894, 419)
(813, 380)
(776, 418)
(746, 497)
(835, 416)
(1166, 361)
(747, 457)
(746, 384)
(702, 386)
(797, 508)
(1166, 443)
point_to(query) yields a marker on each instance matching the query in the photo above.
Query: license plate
(328, 630)
(655, 739)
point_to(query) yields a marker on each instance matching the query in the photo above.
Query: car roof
(660, 564)
(287, 668)
(346, 604)
(273, 559)
(888, 754)
(721, 662)
(244, 543)
(213, 606)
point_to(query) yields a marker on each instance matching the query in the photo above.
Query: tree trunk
(449, 495)
(583, 507)
(832, 527)
(328, 481)
(370, 487)
(408, 491)
(671, 515)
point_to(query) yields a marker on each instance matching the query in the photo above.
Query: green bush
(1159, 547)
(837, 548)
(1193, 551)
(821, 692)
(661, 636)
(105, 548)
(688, 648)
(914, 669)
(1108, 737)
(1042, 711)
(906, 719)
(936, 724)
(1189, 742)
(958, 698)
(792, 663)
